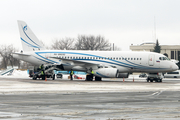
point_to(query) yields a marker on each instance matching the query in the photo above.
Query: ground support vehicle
(143, 75)
(35, 72)
(157, 77)
(174, 74)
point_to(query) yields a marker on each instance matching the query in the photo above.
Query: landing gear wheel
(34, 77)
(98, 79)
(89, 78)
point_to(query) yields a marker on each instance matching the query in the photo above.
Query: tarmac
(110, 99)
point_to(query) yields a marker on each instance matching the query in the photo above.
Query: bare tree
(63, 44)
(92, 43)
(115, 48)
(7, 58)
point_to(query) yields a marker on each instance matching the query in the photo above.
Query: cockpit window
(167, 58)
(163, 58)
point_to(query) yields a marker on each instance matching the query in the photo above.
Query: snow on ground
(17, 74)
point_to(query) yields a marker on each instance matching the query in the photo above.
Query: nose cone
(175, 67)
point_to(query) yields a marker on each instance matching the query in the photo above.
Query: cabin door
(151, 60)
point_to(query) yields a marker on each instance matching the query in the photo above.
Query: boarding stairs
(7, 71)
(48, 70)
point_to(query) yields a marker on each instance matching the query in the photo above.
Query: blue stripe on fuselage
(114, 62)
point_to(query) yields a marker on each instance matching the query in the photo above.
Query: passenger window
(134, 58)
(137, 58)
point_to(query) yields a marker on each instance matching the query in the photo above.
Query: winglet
(28, 39)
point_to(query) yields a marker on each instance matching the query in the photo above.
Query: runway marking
(157, 93)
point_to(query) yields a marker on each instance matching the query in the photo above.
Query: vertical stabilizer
(28, 39)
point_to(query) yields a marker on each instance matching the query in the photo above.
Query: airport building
(171, 51)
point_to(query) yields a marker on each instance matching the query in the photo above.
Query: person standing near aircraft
(42, 71)
(92, 75)
(71, 74)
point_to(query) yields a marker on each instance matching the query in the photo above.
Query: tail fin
(28, 39)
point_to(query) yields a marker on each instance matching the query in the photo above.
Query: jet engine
(110, 73)
(122, 75)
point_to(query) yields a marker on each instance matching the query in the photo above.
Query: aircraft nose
(175, 67)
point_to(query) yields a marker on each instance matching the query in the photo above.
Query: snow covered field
(17, 74)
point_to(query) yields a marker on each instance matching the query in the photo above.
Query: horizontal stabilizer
(21, 54)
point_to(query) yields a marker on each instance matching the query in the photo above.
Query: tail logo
(25, 28)
(29, 42)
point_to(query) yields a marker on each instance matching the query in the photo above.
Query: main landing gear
(90, 78)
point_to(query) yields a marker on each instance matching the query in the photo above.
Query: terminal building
(171, 51)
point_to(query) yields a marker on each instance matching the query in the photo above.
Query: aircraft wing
(77, 64)
(74, 61)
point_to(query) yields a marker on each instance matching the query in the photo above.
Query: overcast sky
(122, 22)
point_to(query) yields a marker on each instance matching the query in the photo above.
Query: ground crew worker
(71, 74)
(92, 74)
(41, 67)
(42, 71)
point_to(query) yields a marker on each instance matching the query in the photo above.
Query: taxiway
(22, 98)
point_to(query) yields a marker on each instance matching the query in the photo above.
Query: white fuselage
(124, 61)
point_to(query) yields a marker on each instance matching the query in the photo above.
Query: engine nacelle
(106, 72)
(122, 75)
(110, 73)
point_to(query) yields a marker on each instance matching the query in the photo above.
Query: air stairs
(48, 70)
(7, 71)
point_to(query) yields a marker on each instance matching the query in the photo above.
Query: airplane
(105, 64)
